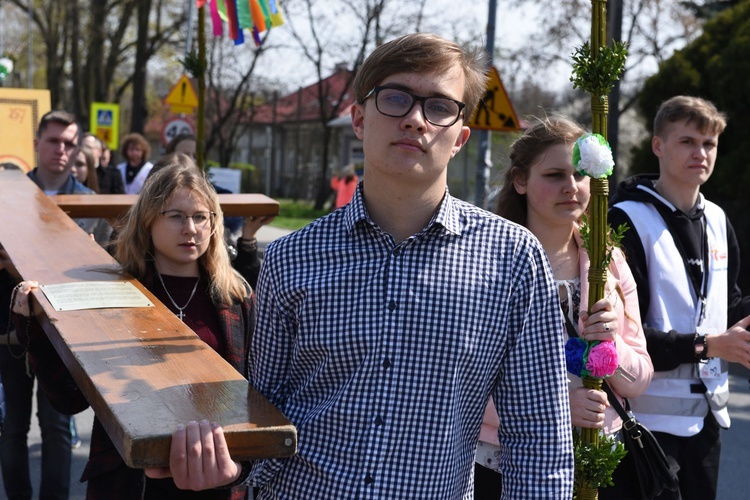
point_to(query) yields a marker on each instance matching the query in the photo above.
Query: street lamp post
(30, 71)
(484, 157)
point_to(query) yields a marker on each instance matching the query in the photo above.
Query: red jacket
(344, 190)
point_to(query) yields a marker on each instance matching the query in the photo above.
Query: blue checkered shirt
(384, 356)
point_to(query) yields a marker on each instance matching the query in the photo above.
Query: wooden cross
(141, 369)
(113, 205)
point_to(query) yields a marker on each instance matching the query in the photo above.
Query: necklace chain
(180, 309)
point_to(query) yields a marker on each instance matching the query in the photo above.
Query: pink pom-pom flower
(602, 360)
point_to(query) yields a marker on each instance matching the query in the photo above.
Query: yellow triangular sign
(494, 111)
(182, 95)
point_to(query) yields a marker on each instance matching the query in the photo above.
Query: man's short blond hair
(700, 112)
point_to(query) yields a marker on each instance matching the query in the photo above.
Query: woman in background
(543, 192)
(84, 169)
(136, 151)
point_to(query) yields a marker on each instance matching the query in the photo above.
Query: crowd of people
(416, 341)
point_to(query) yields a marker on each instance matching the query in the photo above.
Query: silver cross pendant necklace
(180, 309)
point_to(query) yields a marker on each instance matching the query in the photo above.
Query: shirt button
(396, 252)
(387, 363)
(369, 479)
(392, 305)
(379, 421)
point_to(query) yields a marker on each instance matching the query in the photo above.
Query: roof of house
(304, 105)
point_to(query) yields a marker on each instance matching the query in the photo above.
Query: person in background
(136, 151)
(183, 143)
(177, 205)
(344, 185)
(106, 159)
(384, 327)
(686, 260)
(84, 169)
(543, 191)
(109, 178)
(56, 144)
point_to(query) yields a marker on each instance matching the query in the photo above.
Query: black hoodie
(670, 349)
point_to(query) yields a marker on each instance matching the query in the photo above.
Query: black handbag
(655, 474)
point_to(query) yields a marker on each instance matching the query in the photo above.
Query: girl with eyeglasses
(172, 242)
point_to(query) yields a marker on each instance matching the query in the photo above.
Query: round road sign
(174, 127)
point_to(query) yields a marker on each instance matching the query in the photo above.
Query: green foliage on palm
(597, 75)
(594, 464)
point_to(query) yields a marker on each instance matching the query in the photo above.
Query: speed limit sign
(174, 127)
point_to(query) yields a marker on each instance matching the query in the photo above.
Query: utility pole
(189, 36)
(614, 23)
(484, 154)
(30, 74)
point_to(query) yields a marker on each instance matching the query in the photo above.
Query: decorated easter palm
(596, 67)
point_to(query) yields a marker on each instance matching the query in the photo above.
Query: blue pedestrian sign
(104, 117)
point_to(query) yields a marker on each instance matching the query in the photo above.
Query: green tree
(97, 50)
(708, 9)
(716, 66)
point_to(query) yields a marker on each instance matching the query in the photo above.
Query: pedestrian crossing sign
(104, 122)
(495, 111)
(104, 117)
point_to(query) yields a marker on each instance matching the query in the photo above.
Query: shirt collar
(66, 188)
(447, 214)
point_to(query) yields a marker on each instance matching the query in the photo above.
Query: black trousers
(698, 458)
(488, 484)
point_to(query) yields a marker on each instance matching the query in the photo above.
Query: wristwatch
(700, 346)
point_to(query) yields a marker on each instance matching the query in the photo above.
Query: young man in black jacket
(685, 258)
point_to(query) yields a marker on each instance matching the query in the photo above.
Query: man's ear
(656, 145)
(463, 136)
(358, 120)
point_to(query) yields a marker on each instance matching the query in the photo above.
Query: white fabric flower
(594, 156)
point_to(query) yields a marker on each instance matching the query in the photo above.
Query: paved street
(734, 480)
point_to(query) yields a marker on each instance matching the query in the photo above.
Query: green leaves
(193, 64)
(615, 238)
(594, 464)
(597, 75)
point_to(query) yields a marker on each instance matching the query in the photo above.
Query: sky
(513, 28)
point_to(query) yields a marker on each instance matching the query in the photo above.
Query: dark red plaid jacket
(107, 475)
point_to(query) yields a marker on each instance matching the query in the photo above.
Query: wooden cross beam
(109, 206)
(141, 369)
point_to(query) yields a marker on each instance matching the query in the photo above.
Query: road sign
(104, 123)
(495, 112)
(182, 98)
(174, 127)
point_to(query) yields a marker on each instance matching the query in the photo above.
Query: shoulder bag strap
(629, 422)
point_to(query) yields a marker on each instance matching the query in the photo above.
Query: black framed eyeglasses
(394, 102)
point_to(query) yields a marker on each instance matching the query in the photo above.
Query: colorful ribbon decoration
(255, 15)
